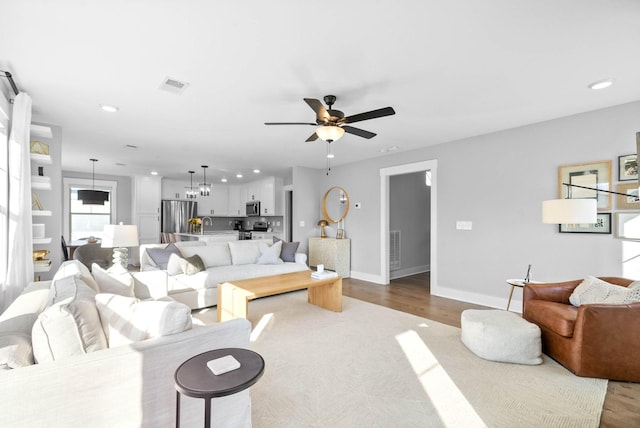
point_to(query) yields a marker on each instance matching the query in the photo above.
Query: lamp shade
(120, 235)
(330, 132)
(569, 211)
(93, 197)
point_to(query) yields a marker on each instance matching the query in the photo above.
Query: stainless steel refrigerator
(176, 214)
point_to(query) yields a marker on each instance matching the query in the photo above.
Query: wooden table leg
(233, 302)
(327, 296)
(510, 295)
(177, 410)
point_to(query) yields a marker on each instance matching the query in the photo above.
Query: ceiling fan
(332, 124)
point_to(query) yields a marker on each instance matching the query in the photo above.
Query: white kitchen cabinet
(174, 189)
(271, 196)
(237, 200)
(216, 204)
(147, 193)
(253, 190)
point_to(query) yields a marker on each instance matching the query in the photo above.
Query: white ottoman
(501, 336)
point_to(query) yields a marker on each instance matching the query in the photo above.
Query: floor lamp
(119, 237)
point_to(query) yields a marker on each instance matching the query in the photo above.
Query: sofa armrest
(151, 284)
(301, 258)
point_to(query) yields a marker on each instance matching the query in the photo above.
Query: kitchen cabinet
(216, 204)
(269, 192)
(237, 200)
(334, 254)
(174, 189)
(147, 192)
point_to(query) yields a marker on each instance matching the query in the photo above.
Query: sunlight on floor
(452, 407)
(260, 327)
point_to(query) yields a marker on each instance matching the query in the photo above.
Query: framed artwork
(628, 167)
(630, 202)
(602, 225)
(628, 225)
(595, 175)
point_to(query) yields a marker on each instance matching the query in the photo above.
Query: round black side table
(194, 379)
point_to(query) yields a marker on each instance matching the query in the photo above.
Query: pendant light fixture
(191, 193)
(93, 196)
(205, 188)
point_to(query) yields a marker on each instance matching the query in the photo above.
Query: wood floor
(411, 294)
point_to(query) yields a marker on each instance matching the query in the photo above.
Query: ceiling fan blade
(290, 123)
(359, 132)
(381, 112)
(316, 105)
(312, 137)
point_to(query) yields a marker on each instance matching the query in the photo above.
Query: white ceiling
(451, 69)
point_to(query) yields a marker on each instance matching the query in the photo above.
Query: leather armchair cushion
(557, 317)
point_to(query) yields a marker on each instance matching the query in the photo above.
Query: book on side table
(324, 274)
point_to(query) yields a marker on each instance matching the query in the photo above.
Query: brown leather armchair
(594, 340)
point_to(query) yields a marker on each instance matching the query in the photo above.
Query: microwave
(253, 209)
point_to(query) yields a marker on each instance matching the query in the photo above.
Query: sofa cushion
(216, 254)
(270, 255)
(160, 256)
(192, 265)
(244, 252)
(174, 267)
(595, 290)
(127, 319)
(74, 267)
(15, 351)
(71, 325)
(288, 252)
(557, 317)
(115, 280)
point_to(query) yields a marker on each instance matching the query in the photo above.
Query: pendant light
(93, 197)
(191, 193)
(205, 188)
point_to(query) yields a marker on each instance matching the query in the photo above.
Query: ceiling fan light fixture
(330, 133)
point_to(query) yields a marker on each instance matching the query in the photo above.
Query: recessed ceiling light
(108, 108)
(239, 175)
(601, 84)
(224, 180)
(256, 171)
(154, 172)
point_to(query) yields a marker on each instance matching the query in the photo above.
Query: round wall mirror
(335, 204)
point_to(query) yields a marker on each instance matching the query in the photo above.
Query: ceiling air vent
(173, 85)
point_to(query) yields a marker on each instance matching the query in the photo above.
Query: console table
(334, 254)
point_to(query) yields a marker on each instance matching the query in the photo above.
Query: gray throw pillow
(192, 265)
(160, 256)
(288, 252)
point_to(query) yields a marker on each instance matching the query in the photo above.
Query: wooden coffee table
(234, 296)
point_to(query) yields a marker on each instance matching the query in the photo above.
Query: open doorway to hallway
(409, 224)
(429, 215)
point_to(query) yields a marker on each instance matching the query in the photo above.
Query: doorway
(385, 174)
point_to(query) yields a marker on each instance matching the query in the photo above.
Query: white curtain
(16, 206)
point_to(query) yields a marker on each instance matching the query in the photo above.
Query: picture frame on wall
(630, 202)
(628, 167)
(595, 175)
(628, 225)
(602, 225)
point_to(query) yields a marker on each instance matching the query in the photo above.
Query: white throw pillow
(270, 255)
(126, 320)
(74, 267)
(216, 254)
(71, 326)
(635, 285)
(244, 252)
(115, 280)
(15, 351)
(594, 290)
(174, 265)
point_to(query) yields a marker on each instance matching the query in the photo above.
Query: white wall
(498, 181)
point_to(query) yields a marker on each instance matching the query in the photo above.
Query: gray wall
(498, 181)
(409, 208)
(307, 203)
(124, 192)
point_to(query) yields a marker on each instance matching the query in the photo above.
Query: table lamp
(323, 224)
(118, 237)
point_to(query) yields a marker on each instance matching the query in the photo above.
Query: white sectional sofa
(223, 261)
(82, 378)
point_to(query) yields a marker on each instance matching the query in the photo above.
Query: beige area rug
(370, 366)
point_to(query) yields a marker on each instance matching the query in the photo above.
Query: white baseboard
(401, 273)
(377, 279)
(478, 299)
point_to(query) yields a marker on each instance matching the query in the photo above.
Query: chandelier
(205, 188)
(191, 193)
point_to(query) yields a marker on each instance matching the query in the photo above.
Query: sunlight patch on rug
(451, 405)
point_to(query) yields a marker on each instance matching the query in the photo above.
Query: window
(87, 220)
